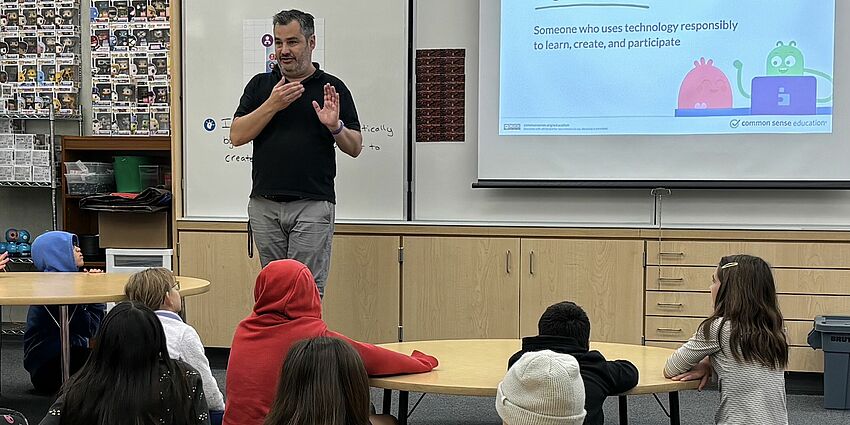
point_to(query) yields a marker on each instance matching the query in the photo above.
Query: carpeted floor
(697, 408)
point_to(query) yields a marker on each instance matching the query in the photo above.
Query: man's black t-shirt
(294, 155)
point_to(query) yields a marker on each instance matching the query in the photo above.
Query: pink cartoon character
(705, 87)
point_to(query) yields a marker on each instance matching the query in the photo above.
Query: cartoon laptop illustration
(778, 95)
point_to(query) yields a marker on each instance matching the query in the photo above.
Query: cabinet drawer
(678, 278)
(680, 329)
(686, 304)
(804, 359)
(797, 332)
(800, 359)
(778, 254)
(788, 281)
(806, 307)
(794, 307)
(677, 329)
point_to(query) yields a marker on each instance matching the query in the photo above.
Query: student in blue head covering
(57, 252)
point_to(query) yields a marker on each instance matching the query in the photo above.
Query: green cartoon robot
(784, 60)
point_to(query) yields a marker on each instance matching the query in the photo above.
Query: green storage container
(127, 173)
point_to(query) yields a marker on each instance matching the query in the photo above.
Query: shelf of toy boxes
(33, 159)
(40, 59)
(130, 43)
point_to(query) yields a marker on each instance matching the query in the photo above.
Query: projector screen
(651, 91)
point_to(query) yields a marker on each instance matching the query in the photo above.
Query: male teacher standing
(295, 115)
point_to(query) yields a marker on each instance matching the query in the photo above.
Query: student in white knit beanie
(542, 388)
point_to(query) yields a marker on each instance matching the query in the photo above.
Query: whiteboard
(219, 49)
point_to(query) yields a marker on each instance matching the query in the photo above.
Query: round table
(63, 289)
(475, 367)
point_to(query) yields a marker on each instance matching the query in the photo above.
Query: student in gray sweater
(742, 342)
(158, 289)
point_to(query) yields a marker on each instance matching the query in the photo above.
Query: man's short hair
(565, 319)
(284, 17)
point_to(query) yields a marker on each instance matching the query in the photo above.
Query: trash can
(832, 334)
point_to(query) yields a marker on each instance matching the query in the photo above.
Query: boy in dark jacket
(564, 328)
(57, 252)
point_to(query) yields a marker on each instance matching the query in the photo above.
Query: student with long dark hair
(743, 341)
(323, 382)
(159, 290)
(129, 378)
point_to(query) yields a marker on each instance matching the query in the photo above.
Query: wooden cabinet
(363, 291)
(474, 282)
(460, 287)
(362, 295)
(219, 257)
(604, 277)
(467, 287)
(812, 278)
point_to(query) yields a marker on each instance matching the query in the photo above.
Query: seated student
(130, 379)
(542, 387)
(323, 381)
(743, 341)
(287, 309)
(157, 289)
(57, 252)
(565, 328)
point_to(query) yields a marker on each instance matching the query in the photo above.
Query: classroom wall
(444, 172)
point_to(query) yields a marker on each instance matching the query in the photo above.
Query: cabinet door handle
(250, 241)
(671, 254)
(671, 279)
(508, 261)
(670, 305)
(676, 330)
(531, 262)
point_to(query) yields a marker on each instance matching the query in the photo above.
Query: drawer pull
(671, 279)
(671, 330)
(671, 254)
(670, 305)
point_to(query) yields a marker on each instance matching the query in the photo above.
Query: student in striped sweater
(743, 342)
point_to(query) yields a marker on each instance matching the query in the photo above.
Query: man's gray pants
(302, 230)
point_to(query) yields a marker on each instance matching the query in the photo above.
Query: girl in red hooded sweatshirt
(287, 309)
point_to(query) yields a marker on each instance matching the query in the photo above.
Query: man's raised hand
(283, 94)
(328, 113)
